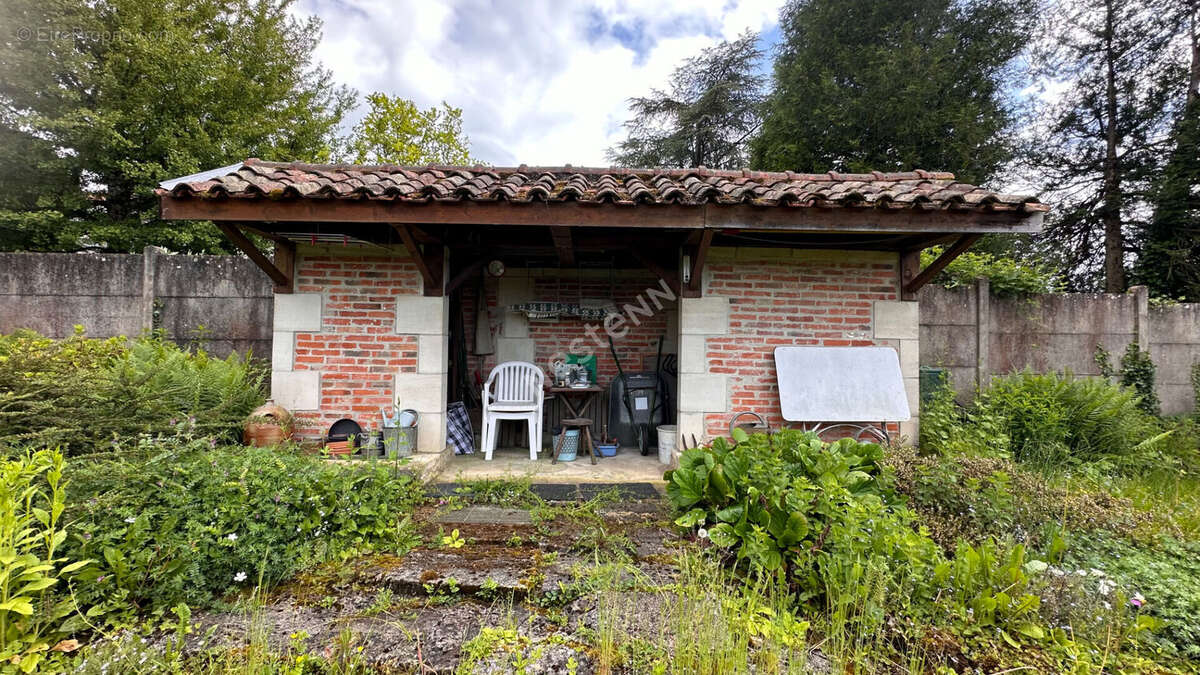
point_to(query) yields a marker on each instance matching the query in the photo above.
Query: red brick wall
(357, 351)
(776, 303)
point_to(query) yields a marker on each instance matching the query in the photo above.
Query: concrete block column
(700, 392)
(296, 390)
(899, 322)
(425, 390)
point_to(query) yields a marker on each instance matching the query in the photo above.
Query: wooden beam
(434, 257)
(563, 246)
(465, 273)
(964, 242)
(696, 280)
(418, 257)
(571, 214)
(285, 261)
(910, 267)
(671, 277)
(246, 246)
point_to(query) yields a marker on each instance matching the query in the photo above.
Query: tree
(863, 85)
(395, 131)
(707, 117)
(1100, 145)
(1169, 257)
(100, 101)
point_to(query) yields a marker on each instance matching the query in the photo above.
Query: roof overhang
(575, 216)
(639, 216)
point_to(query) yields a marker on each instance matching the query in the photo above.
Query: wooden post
(285, 261)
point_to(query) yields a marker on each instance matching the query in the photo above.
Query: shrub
(948, 429)
(1006, 277)
(1196, 388)
(181, 521)
(1137, 373)
(82, 394)
(975, 498)
(1056, 419)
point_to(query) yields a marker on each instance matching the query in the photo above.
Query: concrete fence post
(149, 261)
(1141, 317)
(983, 331)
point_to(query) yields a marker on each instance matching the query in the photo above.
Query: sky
(540, 82)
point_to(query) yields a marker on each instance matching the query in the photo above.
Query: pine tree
(1169, 260)
(705, 119)
(1099, 145)
(864, 85)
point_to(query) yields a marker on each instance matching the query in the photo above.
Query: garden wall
(975, 335)
(223, 300)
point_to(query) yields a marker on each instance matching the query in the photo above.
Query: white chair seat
(521, 406)
(513, 391)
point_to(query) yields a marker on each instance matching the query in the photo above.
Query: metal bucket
(399, 433)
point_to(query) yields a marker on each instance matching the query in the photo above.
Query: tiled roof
(256, 179)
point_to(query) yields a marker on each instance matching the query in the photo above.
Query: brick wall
(803, 298)
(357, 351)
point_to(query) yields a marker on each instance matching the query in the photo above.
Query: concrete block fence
(975, 335)
(130, 294)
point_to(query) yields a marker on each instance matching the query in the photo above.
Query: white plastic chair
(513, 391)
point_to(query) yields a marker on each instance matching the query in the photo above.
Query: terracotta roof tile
(256, 179)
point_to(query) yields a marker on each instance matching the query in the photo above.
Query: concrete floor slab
(485, 515)
(628, 466)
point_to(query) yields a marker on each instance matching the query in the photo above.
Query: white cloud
(539, 82)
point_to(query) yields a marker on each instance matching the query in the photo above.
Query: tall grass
(711, 623)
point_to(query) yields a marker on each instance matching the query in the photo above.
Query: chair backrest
(515, 382)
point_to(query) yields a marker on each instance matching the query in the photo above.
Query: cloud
(539, 82)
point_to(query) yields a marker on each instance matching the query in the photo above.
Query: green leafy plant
(1164, 573)
(1196, 388)
(453, 540)
(32, 617)
(1137, 372)
(787, 502)
(180, 521)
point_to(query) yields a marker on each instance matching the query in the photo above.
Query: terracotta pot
(339, 447)
(269, 424)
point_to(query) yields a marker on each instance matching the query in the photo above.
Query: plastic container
(570, 445)
(668, 434)
(607, 450)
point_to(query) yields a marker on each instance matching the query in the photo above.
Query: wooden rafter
(926, 275)
(563, 245)
(465, 273)
(425, 263)
(246, 246)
